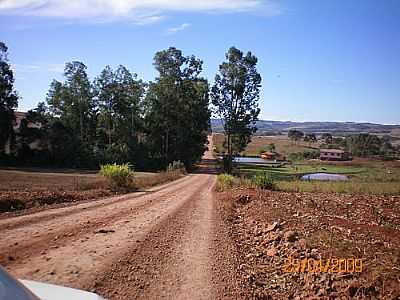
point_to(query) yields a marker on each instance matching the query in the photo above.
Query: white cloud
(173, 30)
(55, 68)
(137, 11)
(20, 69)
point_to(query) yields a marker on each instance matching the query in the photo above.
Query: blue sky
(335, 60)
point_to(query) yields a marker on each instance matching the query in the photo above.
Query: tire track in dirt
(77, 263)
(182, 258)
(15, 246)
(188, 274)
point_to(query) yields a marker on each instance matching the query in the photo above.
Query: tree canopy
(116, 117)
(8, 99)
(295, 135)
(177, 115)
(235, 95)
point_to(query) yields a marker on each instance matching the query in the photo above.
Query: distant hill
(266, 127)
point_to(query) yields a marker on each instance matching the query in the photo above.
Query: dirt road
(167, 242)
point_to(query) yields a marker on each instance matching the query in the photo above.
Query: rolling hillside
(266, 127)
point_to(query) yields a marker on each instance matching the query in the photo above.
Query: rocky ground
(269, 228)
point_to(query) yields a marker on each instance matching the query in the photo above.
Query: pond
(325, 176)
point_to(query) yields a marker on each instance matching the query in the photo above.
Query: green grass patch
(292, 172)
(225, 181)
(363, 179)
(264, 181)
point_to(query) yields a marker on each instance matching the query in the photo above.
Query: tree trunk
(229, 159)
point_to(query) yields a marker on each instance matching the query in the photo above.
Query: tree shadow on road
(207, 166)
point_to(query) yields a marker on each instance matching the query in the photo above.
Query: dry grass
(282, 143)
(395, 132)
(351, 187)
(23, 180)
(24, 189)
(156, 179)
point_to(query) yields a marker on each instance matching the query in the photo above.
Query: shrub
(264, 181)
(307, 154)
(119, 176)
(225, 181)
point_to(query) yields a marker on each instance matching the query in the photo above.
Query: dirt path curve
(166, 243)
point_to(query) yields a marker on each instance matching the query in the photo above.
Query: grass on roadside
(156, 179)
(350, 187)
(122, 177)
(365, 179)
(225, 181)
(290, 172)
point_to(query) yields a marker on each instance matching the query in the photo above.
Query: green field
(294, 171)
(367, 179)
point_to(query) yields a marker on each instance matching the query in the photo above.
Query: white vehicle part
(47, 291)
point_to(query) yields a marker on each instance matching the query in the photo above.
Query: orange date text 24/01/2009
(331, 265)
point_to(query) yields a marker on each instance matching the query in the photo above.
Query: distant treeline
(266, 127)
(362, 144)
(116, 117)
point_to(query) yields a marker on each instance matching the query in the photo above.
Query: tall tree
(8, 98)
(105, 90)
(72, 101)
(295, 135)
(310, 138)
(177, 114)
(119, 96)
(327, 137)
(78, 91)
(235, 95)
(364, 144)
(130, 93)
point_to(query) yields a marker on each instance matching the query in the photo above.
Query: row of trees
(119, 118)
(365, 145)
(362, 144)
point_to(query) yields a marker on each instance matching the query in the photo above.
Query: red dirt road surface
(167, 242)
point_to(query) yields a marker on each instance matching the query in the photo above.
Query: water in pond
(325, 176)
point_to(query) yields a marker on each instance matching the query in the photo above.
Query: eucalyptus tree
(130, 93)
(105, 91)
(295, 135)
(81, 103)
(119, 95)
(72, 101)
(235, 96)
(310, 138)
(177, 115)
(8, 99)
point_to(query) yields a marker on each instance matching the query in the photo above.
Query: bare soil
(30, 190)
(165, 242)
(270, 227)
